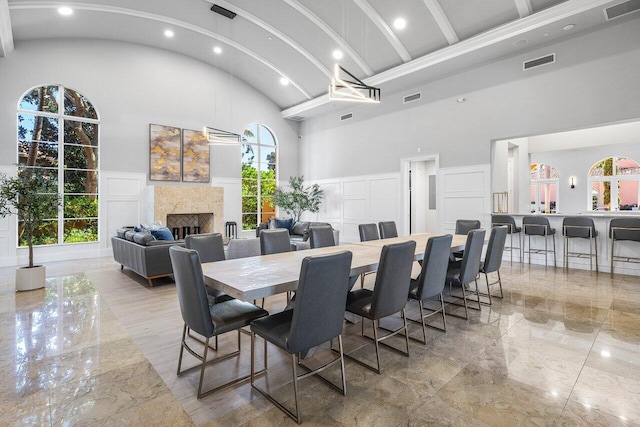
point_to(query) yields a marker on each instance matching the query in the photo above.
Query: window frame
(614, 181)
(538, 183)
(62, 119)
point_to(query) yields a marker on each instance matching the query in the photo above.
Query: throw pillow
(284, 223)
(299, 228)
(162, 233)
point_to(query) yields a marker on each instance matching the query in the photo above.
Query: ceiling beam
(277, 33)
(524, 8)
(166, 20)
(348, 50)
(384, 28)
(6, 34)
(513, 29)
(442, 21)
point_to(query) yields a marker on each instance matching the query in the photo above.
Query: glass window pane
(80, 133)
(84, 206)
(266, 138)
(83, 230)
(249, 204)
(267, 187)
(37, 128)
(45, 234)
(79, 181)
(249, 187)
(46, 153)
(628, 195)
(600, 196)
(77, 105)
(249, 154)
(628, 167)
(43, 98)
(534, 189)
(76, 157)
(249, 221)
(548, 198)
(250, 134)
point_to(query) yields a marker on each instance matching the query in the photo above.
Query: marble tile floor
(97, 346)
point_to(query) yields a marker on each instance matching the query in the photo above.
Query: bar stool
(539, 226)
(510, 222)
(583, 228)
(623, 229)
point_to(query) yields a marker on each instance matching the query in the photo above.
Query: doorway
(419, 190)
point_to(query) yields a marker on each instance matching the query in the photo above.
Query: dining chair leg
(486, 278)
(294, 365)
(375, 340)
(184, 335)
(464, 300)
(204, 365)
(406, 330)
(444, 319)
(500, 284)
(344, 377)
(424, 327)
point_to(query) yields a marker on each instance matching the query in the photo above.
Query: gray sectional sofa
(140, 252)
(299, 232)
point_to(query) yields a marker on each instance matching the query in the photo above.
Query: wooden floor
(99, 347)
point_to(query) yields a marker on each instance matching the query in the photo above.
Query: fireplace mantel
(181, 199)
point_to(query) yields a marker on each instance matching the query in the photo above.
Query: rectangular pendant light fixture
(221, 137)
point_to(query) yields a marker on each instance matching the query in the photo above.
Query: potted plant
(298, 198)
(33, 197)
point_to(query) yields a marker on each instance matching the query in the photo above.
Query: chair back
(274, 241)
(579, 226)
(464, 226)
(321, 298)
(536, 225)
(209, 246)
(625, 229)
(243, 248)
(393, 279)
(192, 293)
(321, 236)
(493, 257)
(434, 267)
(368, 232)
(470, 266)
(387, 229)
(508, 220)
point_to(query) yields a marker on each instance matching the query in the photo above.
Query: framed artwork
(195, 156)
(164, 153)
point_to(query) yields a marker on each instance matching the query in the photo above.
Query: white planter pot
(28, 279)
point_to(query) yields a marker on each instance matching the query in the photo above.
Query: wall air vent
(346, 116)
(222, 11)
(411, 98)
(622, 9)
(538, 62)
(296, 118)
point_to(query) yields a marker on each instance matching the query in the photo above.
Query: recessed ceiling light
(399, 23)
(337, 54)
(284, 81)
(568, 27)
(168, 33)
(217, 50)
(65, 11)
(461, 100)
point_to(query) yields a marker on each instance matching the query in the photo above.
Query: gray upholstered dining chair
(428, 286)
(321, 236)
(243, 248)
(316, 318)
(387, 229)
(493, 258)
(468, 269)
(513, 229)
(579, 227)
(274, 241)
(623, 229)
(206, 317)
(463, 227)
(537, 225)
(367, 232)
(389, 295)
(210, 249)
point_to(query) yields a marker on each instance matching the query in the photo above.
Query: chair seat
(274, 328)
(414, 287)
(359, 302)
(535, 231)
(234, 314)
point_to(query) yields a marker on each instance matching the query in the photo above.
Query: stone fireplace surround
(182, 205)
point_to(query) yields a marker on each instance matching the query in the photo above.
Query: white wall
(132, 86)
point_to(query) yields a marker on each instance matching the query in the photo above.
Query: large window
(544, 188)
(614, 184)
(58, 137)
(259, 172)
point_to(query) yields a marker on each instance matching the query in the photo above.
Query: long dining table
(258, 277)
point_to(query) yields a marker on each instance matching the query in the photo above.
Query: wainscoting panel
(121, 203)
(384, 200)
(464, 193)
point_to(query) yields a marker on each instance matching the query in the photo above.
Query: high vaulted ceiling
(295, 39)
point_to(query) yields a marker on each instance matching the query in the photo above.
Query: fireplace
(195, 223)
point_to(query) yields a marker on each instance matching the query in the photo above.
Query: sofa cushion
(143, 238)
(129, 235)
(299, 228)
(122, 230)
(284, 223)
(162, 233)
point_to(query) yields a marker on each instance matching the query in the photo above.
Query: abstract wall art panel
(195, 156)
(164, 153)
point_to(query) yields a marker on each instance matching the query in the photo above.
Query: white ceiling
(269, 39)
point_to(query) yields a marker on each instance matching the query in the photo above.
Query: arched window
(259, 172)
(58, 136)
(614, 184)
(544, 188)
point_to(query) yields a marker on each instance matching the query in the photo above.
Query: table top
(262, 276)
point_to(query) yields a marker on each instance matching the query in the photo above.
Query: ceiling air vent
(538, 62)
(622, 9)
(411, 98)
(346, 116)
(222, 11)
(296, 118)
